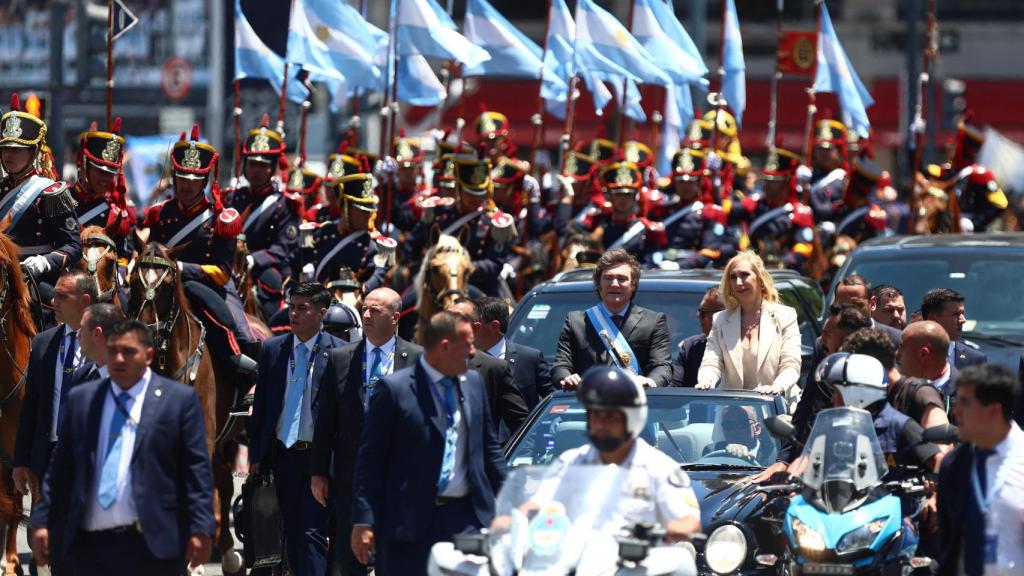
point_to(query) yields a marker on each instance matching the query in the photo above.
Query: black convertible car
(694, 428)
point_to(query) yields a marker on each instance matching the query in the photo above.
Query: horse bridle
(5, 286)
(92, 264)
(161, 330)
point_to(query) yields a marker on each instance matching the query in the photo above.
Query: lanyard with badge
(386, 362)
(984, 505)
(310, 361)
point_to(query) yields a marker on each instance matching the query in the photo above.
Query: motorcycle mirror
(474, 543)
(942, 434)
(780, 428)
(633, 549)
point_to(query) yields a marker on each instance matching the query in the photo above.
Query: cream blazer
(778, 351)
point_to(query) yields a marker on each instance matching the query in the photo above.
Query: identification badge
(991, 546)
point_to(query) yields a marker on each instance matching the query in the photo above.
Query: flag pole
(625, 88)
(110, 63)
(284, 99)
(570, 122)
(776, 77)
(237, 113)
(391, 100)
(538, 118)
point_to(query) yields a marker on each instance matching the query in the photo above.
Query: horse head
(445, 272)
(99, 258)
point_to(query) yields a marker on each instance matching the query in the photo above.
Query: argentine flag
(734, 80)
(425, 28)
(350, 40)
(836, 74)
(659, 31)
(604, 45)
(306, 46)
(253, 59)
(417, 83)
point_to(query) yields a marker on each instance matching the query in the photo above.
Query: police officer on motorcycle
(658, 490)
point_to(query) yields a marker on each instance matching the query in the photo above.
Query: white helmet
(860, 379)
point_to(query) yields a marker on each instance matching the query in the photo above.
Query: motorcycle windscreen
(842, 457)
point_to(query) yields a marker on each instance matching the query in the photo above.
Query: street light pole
(215, 88)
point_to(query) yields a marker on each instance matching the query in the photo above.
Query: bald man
(354, 370)
(923, 354)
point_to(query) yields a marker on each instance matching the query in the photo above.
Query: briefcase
(258, 522)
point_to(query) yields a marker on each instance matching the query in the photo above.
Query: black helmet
(342, 318)
(610, 388)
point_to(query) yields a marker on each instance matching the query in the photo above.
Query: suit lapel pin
(158, 392)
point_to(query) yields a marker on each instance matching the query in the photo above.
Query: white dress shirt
(458, 486)
(498, 350)
(58, 375)
(306, 404)
(122, 512)
(1004, 472)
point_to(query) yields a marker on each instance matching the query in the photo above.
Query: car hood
(724, 495)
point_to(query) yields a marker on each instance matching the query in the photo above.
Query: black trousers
(125, 552)
(403, 558)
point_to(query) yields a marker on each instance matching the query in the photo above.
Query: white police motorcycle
(562, 520)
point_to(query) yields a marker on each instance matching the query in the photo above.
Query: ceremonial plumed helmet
(303, 180)
(638, 153)
(357, 190)
(19, 129)
(263, 144)
(578, 166)
(622, 177)
(474, 175)
(602, 150)
(509, 170)
(688, 164)
(104, 150)
(408, 152)
(490, 125)
(859, 378)
(192, 159)
(780, 164)
(610, 388)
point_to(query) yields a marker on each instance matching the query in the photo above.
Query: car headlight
(806, 537)
(861, 537)
(726, 549)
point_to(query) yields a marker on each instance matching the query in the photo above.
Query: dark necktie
(974, 536)
(617, 320)
(67, 372)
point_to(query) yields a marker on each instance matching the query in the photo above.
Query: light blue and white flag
(659, 31)
(734, 80)
(559, 57)
(678, 109)
(417, 83)
(630, 105)
(253, 59)
(604, 45)
(425, 28)
(351, 42)
(836, 74)
(307, 49)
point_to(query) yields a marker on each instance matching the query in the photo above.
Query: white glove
(385, 168)
(532, 189)
(308, 270)
(565, 183)
(966, 225)
(827, 227)
(36, 265)
(738, 451)
(714, 161)
(803, 174)
(507, 271)
(249, 262)
(181, 266)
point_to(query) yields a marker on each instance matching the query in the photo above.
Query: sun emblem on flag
(323, 33)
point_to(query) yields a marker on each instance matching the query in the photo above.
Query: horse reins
(7, 348)
(92, 264)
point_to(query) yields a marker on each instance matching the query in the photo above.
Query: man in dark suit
(530, 372)
(284, 412)
(508, 407)
(983, 537)
(581, 345)
(691, 349)
(130, 488)
(353, 373)
(946, 307)
(54, 358)
(97, 321)
(855, 289)
(429, 464)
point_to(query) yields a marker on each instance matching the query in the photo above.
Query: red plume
(343, 146)
(15, 102)
(182, 139)
(195, 132)
(401, 132)
(265, 120)
(282, 164)
(366, 164)
(483, 106)
(93, 127)
(120, 219)
(116, 128)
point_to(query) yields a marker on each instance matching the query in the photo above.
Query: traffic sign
(176, 78)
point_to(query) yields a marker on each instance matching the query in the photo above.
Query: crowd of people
(383, 440)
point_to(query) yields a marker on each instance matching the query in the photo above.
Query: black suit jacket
(505, 401)
(895, 335)
(581, 348)
(32, 444)
(271, 384)
(954, 488)
(964, 355)
(686, 365)
(339, 425)
(530, 372)
(171, 477)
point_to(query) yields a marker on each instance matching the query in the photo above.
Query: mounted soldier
(100, 189)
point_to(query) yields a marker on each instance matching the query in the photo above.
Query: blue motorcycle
(845, 518)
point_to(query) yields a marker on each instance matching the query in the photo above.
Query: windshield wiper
(993, 338)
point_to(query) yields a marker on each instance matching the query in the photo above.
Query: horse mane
(446, 244)
(17, 289)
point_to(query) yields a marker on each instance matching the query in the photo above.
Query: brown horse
(158, 299)
(16, 331)
(443, 277)
(99, 258)
(244, 281)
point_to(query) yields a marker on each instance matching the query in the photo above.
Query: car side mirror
(780, 428)
(941, 434)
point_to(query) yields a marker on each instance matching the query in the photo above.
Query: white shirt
(498, 350)
(306, 404)
(1005, 469)
(387, 363)
(58, 375)
(458, 485)
(122, 512)
(656, 490)
(942, 382)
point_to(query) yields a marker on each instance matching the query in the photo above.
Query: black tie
(617, 320)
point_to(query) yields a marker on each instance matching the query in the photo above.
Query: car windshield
(988, 283)
(712, 429)
(539, 325)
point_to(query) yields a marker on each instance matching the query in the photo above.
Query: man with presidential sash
(41, 211)
(616, 331)
(351, 241)
(100, 190)
(270, 221)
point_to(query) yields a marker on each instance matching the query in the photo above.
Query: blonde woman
(754, 343)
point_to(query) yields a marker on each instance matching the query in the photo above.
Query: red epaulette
(749, 205)
(877, 218)
(229, 224)
(153, 214)
(714, 213)
(803, 216)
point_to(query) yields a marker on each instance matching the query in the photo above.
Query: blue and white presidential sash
(613, 339)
